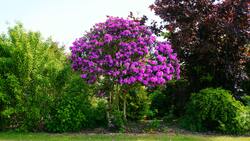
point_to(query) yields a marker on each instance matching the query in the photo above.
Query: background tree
(209, 37)
(29, 69)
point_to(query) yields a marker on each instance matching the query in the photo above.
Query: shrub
(98, 114)
(170, 99)
(117, 120)
(154, 124)
(246, 100)
(160, 103)
(217, 110)
(68, 114)
(77, 108)
(10, 99)
(29, 66)
(70, 111)
(35, 109)
(138, 103)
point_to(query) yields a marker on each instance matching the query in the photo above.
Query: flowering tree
(124, 52)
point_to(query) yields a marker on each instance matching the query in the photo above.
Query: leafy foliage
(29, 67)
(171, 99)
(39, 91)
(138, 103)
(117, 121)
(246, 100)
(246, 83)
(216, 109)
(69, 112)
(97, 116)
(76, 108)
(209, 37)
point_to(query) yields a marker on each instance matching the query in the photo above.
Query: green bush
(35, 110)
(70, 111)
(246, 100)
(76, 109)
(98, 113)
(116, 120)
(138, 103)
(160, 103)
(170, 99)
(38, 90)
(29, 66)
(10, 99)
(215, 110)
(154, 124)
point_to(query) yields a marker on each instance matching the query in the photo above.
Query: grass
(13, 136)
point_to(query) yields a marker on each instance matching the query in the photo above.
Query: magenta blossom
(126, 52)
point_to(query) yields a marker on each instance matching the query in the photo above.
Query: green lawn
(11, 136)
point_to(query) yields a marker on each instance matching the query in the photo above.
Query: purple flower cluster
(126, 52)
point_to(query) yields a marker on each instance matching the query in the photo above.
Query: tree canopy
(209, 37)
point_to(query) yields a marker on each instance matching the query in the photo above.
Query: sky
(66, 20)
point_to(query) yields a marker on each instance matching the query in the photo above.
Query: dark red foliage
(209, 37)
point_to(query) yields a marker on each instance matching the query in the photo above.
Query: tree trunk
(109, 111)
(124, 107)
